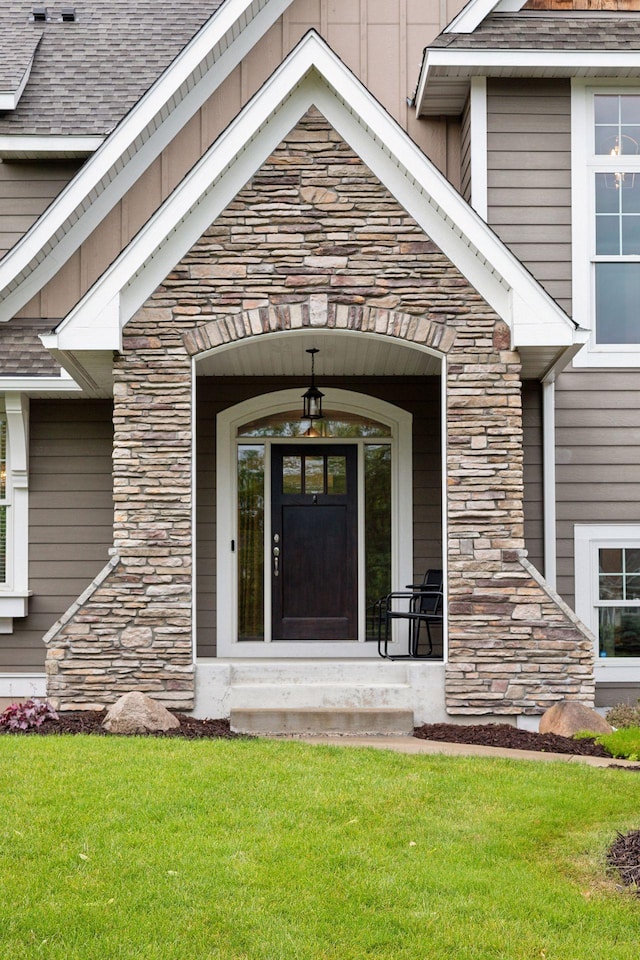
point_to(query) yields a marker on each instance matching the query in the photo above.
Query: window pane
(630, 193)
(629, 109)
(250, 542)
(611, 588)
(628, 142)
(607, 197)
(334, 424)
(377, 518)
(292, 474)
(314, 474)
(606, 108)
(336, 475)
(617, 299)
(619, 631)
(606, 141)
(610, 560)
(632, 588)
(630, 236)
(632, 561)
(607, 236)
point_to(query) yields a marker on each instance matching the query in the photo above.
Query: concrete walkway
(415, 746)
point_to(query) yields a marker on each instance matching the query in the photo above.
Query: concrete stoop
(310, 721)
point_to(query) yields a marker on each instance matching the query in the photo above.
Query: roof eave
(446, 73)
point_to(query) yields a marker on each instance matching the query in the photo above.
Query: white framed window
(606, 222)
(607, 571)
(4, 498)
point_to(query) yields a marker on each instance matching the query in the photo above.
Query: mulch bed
(504, 735)
(89, 721)
(624, 856)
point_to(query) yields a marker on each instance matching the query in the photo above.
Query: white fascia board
(313, 75)
(138, 139)
(29, 385)
(471, 16)
(45, 145)
(493, 61)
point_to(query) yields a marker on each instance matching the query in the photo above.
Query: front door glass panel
(313, 475)
(251, 542)
(377, 527)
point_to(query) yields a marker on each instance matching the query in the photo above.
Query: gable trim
(312, 75)
(188, 82)
(472, 15)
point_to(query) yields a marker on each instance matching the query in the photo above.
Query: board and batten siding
(26, 190)
(70, 517)
(419, 395)
(529, 176)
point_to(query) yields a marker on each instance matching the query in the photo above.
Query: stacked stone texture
(315, 240)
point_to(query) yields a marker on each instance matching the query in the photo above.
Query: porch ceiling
(341, 355)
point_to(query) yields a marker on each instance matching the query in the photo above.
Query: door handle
(276, 561)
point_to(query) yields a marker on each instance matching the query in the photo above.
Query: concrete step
(347, 695)
(313, 721)
(318, 671)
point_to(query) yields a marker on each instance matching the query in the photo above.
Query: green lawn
(255, 850)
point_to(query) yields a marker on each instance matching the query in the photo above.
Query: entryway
(314, 542)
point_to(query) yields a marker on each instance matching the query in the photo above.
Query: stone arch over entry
(318, 313)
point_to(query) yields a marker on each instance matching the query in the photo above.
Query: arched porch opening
(366, 376)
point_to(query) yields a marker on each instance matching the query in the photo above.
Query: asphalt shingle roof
(87, 75)
(18, 47)
(21, 353)
(545, 31)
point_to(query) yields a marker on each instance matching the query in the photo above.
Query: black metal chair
(420, 604)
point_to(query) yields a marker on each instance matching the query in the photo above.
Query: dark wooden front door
(314, 541)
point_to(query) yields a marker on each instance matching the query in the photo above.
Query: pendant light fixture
(312, 399)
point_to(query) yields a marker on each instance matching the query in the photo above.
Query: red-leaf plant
(25, 716)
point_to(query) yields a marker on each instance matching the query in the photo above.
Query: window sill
(12, 605)
(620, 670)
(623, 356)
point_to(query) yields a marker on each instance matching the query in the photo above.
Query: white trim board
(312, 75)
(23, 685)
(588, 537)
(205, 62)
(472, 15)
(478, 146)
(227, 423)
(584, 163)
(46, 146)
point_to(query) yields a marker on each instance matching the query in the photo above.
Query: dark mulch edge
(90, 722)
(624, 856)
(508, 737)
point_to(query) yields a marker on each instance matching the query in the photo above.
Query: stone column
(132, 628)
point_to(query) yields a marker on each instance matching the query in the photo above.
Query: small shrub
(25, 716)
(624, 743)
(624, 715)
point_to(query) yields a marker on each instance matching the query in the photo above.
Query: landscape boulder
(136, 713)
(569, 717)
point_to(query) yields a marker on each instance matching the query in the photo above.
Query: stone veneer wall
(315, 240)
(132, 628)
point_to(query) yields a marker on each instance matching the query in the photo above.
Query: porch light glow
(312, 399)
